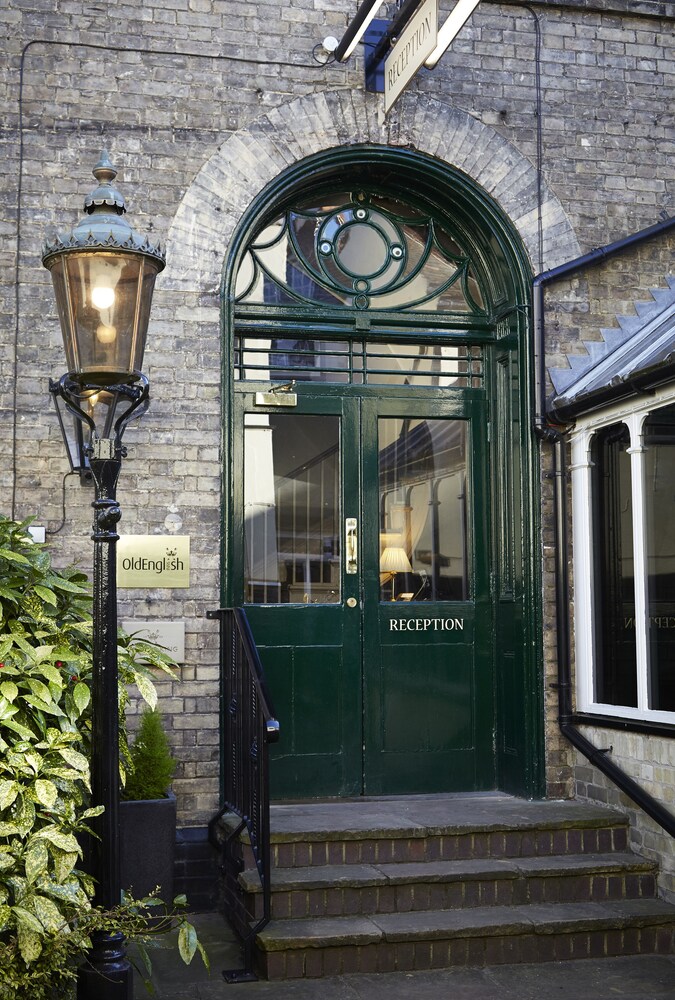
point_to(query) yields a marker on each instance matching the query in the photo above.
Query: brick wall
(201, 102)
(650, 761)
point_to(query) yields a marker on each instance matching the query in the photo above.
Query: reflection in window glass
(614, 591)
(659, 455)
(422, 476)
(291, 509)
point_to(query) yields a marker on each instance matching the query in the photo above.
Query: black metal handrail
(248, 727)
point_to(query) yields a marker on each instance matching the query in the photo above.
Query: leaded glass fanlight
(359, 251)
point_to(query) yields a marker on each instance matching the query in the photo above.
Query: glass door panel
(292, 509)
(422, 484)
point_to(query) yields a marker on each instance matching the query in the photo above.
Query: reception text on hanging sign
(415, 44)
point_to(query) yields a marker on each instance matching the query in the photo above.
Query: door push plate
(351, 546)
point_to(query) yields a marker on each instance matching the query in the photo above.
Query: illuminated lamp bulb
(102, 297)
(106, 334)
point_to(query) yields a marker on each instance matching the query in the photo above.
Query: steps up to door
(428, 882)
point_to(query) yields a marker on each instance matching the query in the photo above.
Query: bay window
(623, 496)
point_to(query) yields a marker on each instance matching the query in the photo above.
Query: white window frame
(632, 413)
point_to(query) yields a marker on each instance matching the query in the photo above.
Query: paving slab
(643, 977)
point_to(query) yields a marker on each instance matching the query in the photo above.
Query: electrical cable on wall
(55, 531)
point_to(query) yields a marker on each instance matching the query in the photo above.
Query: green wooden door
(361, 550)
(427, 631)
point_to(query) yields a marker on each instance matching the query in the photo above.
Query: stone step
(340, 890)
(432, 939)
(439, 828)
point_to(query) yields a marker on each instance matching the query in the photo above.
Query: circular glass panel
(361, 249)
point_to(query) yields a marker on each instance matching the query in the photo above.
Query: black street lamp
(103, 274)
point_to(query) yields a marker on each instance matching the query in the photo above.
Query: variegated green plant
(45, 732)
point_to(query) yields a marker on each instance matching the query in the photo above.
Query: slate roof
(640, 352)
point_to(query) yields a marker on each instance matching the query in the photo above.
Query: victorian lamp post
(103, 275)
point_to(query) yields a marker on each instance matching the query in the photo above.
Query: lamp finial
(106, 195)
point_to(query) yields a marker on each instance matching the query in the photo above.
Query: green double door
(361, 543)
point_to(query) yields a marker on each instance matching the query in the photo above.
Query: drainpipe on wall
(547, 431)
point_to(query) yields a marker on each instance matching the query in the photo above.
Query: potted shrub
(148, 811)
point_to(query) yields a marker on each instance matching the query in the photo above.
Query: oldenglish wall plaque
(153, 561)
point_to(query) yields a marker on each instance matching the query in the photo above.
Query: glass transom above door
(283, 357)
(359, 251)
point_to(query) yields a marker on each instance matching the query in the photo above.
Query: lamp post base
(106, 974)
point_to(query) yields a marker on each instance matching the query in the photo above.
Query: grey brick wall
(650, 761)
(202, 103)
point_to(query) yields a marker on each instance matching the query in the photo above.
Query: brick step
(307, 948)
(196, 869)
(341, 890)
(439, 829)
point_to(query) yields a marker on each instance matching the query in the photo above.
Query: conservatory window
(659, 460)
(613, 580)
(623, 495)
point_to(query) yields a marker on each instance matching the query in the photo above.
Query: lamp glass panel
(104, 307)
(106, 407)
(74, 434)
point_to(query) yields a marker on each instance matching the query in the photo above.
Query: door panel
(289, 566)
(427, 653)
(377, 641)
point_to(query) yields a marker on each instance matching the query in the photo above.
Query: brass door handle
(351, 546)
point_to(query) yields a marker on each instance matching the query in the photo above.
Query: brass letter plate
(276, 399)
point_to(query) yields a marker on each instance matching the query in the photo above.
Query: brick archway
(251, 158)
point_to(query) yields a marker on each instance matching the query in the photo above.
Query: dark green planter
(147, 845)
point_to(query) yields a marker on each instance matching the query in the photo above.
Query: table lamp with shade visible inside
(394, 560)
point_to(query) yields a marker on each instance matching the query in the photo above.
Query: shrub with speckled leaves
(45, 730)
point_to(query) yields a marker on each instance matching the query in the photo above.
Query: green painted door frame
(508, 702)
